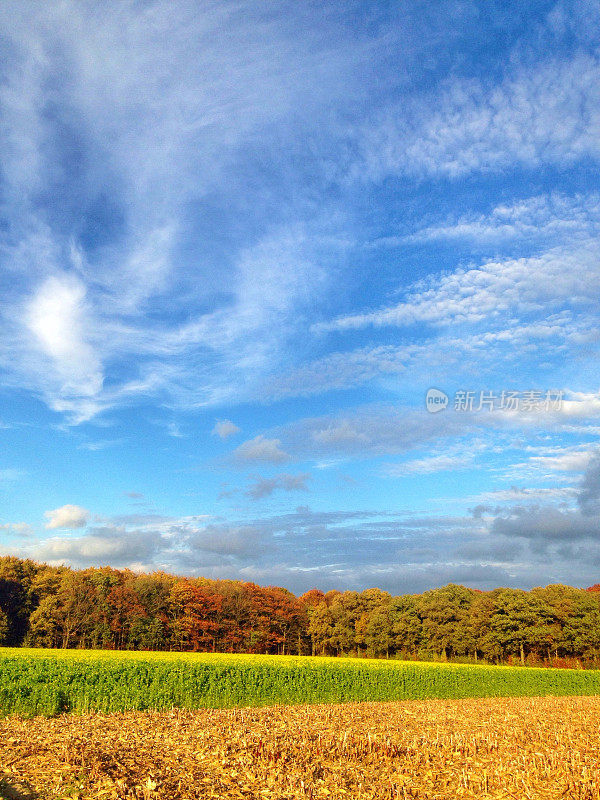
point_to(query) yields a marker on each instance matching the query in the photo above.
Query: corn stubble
(491, 748)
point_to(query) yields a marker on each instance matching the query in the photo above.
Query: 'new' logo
(435, 400)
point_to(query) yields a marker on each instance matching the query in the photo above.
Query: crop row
(47, 684)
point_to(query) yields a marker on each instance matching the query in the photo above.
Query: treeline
(45, 606)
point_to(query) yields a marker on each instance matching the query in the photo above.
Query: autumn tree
(320, 628)
(124, 611)
(150, 631)
(195, 615)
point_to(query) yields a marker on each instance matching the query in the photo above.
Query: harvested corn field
(497, 748)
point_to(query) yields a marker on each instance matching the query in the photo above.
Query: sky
(240, 242)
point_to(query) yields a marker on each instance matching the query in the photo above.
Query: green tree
(16, 577)
(4, 629)
(446, 621)
(520, 623)
(373, 628)
(346, 608)
(407, 626)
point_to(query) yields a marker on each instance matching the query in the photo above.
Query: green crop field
(49, 682)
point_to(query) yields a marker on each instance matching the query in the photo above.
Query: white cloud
(544, 218)
(111, 544)
(224, 428)
(577, 405)
(261, 449)
(21, 529)
(444, 355)
(521, 545)
(373, 430)
(68, 516)
(546, 524)
(492, 291)
(100, 444)
(341, 432)
(544, 113)
(429, 464)
(562, 459)
(524, 493)
(57, 316)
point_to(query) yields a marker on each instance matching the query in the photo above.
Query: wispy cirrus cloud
(522, 494)
(562, 459)
(191, 197)
(87, 267)
(116, 239)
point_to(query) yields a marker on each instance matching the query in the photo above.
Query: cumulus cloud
(110, 544)
(230, 540)
(374, 430)
(68, 516)
(399, 551)
(261, 449)
(224, 428)
(558, 458)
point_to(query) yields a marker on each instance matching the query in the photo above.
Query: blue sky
(238, 244)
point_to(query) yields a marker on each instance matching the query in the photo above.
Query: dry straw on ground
(494, 748)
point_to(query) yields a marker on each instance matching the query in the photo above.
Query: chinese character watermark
(530, 401)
